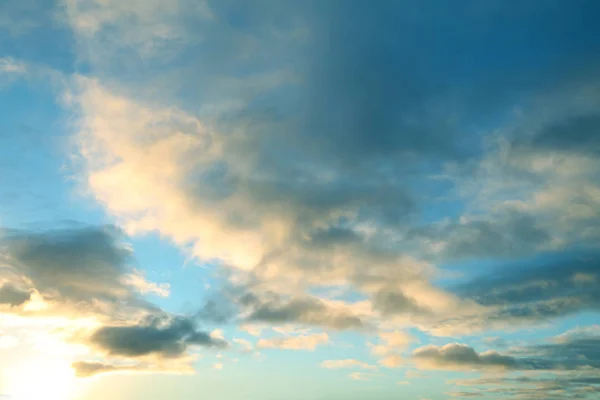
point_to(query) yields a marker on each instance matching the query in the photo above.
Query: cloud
(302, 151)
(246, 345)
(570, 385)
(396, 339)
(302, 342)
(392, 302)
(13, 296)
(86, 274)
(9, 65)
(576, 350)
(310, 311)
(390, 346)
(82, 268)
(392, 361)
(460, 356)
(347, 363)
(292, 214)
(85, 369)
(168, 338)
(506, 234)
(6, 342)
(554, 286)
(11, 70)
(137, 281)
(317, 171)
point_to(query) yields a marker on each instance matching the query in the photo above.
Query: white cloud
(137, 281)
(302, 342)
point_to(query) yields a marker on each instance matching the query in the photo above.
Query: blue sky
(304, 200)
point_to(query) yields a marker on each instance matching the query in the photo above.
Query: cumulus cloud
(391, 345)
(576, 350)
(331, 187)
(87, 274)
(83, 269)
(460, 356)
(300, 151)
(170, 337)
(298, 214)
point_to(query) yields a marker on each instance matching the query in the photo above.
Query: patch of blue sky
(35, 181)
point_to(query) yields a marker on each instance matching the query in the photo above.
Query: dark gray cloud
(302, 310)
(77, 264)
(393, 302)
(453, 356)
(83, 270)
(13, 296)
(576, 350)
(247, 304)
(553, 286)
(579, 134)
(514, 235)
(169, 337)
(370, 90)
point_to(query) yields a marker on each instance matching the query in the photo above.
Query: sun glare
(37, 379)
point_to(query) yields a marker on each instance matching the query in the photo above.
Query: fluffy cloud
(168, 338)
(276, 197)
(390, 346)
(87, 275)
(84, 269)
(460, 356)
(576, 350)
(309, 311)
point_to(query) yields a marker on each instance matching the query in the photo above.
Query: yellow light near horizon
(35, 379)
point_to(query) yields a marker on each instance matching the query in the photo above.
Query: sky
(309, 200)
